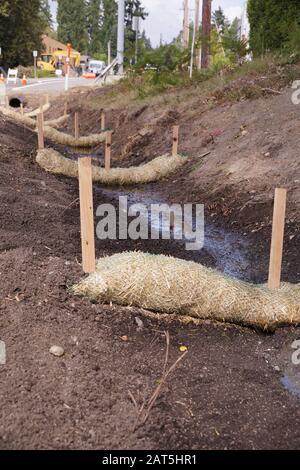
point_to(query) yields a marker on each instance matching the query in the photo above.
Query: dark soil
(225, 394)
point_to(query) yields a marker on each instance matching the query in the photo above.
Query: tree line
(275, 26)
(87, 24)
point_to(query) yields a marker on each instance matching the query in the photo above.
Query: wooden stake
(102, 120)
(175, 140)
(22, 108)
(86, 214)
(76, 125)
(108, 150)
(277, 238)
(40, 128)
(41, 104)
(6, 102)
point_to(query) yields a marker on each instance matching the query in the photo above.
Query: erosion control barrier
(29, 122)
(170, 285)
(42, 109)
(67, 139)
(58, 122)
(53, 162)
(18, 117)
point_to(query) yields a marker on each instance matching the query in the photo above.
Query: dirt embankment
(227, 393)
(253, 147)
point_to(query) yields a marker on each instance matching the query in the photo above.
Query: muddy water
(230, 251)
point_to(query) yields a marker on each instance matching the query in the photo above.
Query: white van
(96, 66)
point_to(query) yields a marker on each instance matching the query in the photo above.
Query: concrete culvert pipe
(16, 101)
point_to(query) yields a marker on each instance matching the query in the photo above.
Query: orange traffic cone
(24, 80)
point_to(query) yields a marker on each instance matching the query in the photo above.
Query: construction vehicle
(57, 60)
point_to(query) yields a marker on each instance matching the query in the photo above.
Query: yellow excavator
(57, 60)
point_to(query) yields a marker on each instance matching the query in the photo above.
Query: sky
(166, 16)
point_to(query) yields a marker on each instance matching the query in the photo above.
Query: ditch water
(230, 251)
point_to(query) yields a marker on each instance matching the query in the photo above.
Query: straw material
(37, 111)
(67, 139)
(58, 122)
(52, 161)
(19, 118)
(169, 285)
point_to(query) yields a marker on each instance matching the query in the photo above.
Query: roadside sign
(35, 53)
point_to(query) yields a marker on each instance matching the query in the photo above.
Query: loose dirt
(227, 391)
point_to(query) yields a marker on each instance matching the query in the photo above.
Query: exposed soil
(227, 391)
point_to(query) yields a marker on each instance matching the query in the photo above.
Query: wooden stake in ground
(108, 150)
(41, 104)
(22, 108)
(86, 214)
(277, 238)
(175, 140)
(6, 102)
(102, 120)
(76, 125)
(40, 129)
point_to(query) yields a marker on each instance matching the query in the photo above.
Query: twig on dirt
(133, 400)
(72, 204)
(204, 154)
(271, 91)
(162, 382)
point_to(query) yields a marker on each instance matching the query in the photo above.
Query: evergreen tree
(21, 27)
(46, 13)
(73, 23)
(108, 25)
(272, 22)
(220, 20)
(95, 45)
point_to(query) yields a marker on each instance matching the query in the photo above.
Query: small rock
(267, 154)
(57, 351)
(139, 323)
(277, 368)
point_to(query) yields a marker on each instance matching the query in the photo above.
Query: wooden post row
(76, 125)
(40, 129)
(86, 214)
(175, 140)
(277, 238)
(108, 150)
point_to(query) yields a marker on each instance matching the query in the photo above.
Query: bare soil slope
(227, 392)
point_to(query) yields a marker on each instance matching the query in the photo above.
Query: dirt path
(227, 392)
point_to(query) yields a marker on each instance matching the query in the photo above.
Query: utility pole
(186, 24)
(121, 35)
(197, 15)
(194, 36)
(206, 32)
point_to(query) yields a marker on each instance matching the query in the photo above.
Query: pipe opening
(15, 102)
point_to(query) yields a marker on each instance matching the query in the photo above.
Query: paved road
(48, 85)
